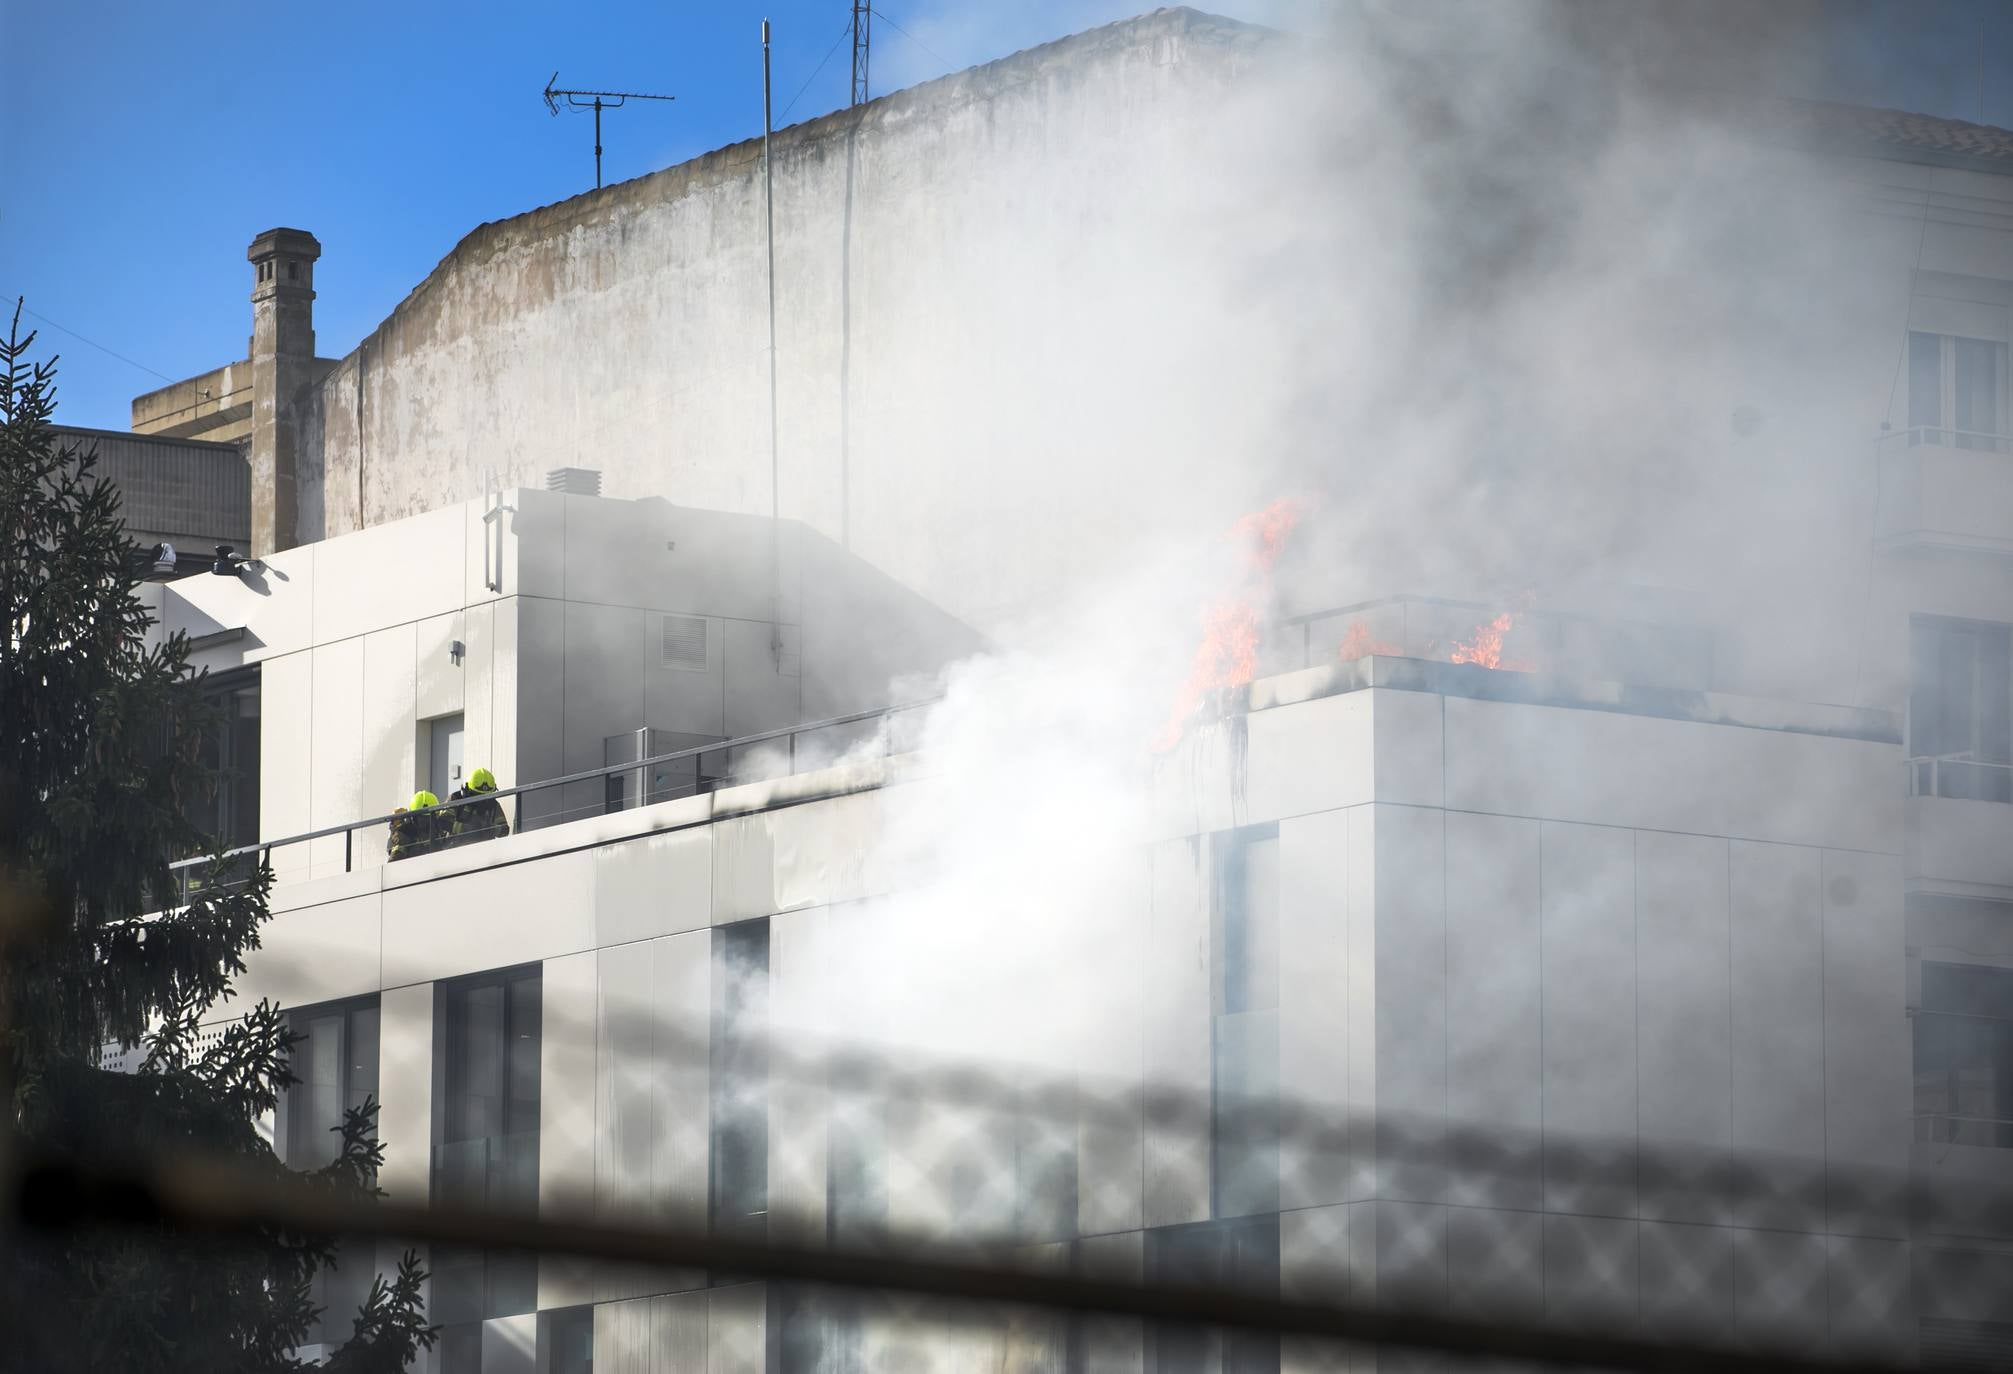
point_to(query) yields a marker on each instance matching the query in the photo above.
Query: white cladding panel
(388, 574)
(488, 918)
(405, 1085)
(390, 734)
(335, 774)
(653, 885)
(1313, 1004)
(1495, 1057)
(1589, 971)
(315, 953)
(286, 692)
(567, 1116)
(1684, 1057)
(1606, 768)
(1176, 1034)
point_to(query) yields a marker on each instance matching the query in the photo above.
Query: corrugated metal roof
(174, 488)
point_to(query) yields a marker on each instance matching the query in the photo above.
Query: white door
(443, 774)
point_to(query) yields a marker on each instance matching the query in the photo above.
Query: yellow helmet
(482, 780)
(424, 798)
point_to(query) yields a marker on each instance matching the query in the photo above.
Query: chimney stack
(283, 355)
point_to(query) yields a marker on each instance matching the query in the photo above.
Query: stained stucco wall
(625, 330)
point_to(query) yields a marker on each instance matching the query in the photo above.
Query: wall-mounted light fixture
(455, 651)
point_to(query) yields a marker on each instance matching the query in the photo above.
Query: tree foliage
(99, 738)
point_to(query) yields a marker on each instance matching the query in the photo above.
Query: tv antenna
(596, 101)
(863, 18)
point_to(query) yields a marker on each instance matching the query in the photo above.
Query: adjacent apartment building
(1626, 902)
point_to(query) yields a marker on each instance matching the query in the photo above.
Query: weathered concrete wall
(626, 329)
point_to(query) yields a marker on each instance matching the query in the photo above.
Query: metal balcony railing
(888, 730)
(1961, 777)
(1952, 1128)
(1439, 628)
(1938, 436)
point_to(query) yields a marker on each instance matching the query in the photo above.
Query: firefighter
(415, 829)
(479, 820)
(399, 843)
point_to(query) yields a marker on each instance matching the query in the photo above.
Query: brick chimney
(283, 355)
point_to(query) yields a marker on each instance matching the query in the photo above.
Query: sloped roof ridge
(964, 84)
(1958, 141)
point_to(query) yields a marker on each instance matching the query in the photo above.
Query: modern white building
(1720, 887)
(1590, 917)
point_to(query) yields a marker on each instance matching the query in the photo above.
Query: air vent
(685, 642)
(574, 481)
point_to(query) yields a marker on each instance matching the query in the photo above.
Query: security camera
(164, 560)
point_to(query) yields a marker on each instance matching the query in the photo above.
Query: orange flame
(1357, 643)
(1486, 648)
(1228, 654)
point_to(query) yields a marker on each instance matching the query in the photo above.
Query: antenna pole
(769, 215)
(863, 15)
(596, 101)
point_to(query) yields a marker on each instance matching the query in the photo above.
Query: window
(1045, 1171)
(1240, 1255)
(1244, 1027)
(1964, 1055)
(1960, 709)
(228, 806)
(740, 1080)
(856, 1162)
(335, 1063)
(566, 1341)
(335, 1059)
(1957, 391)
(487, 1036)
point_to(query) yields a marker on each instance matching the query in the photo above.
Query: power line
(883, 14)
(814, 75)
(65, 329)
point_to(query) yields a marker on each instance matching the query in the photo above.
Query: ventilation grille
(1967, 1345)
(685, 642)
(115, 1060)
(574, 481)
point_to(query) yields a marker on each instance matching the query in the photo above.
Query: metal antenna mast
(863, 14)
(596, 101)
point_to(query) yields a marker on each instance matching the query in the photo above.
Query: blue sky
(142, 145)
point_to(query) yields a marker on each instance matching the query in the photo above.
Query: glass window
(1964, 1055)
(740, 1079)
(1925, 380)
(335, 1065)
(1245, 1025)
(566, 1341)
(856, 1167)
(1960, 709)
(486, 1149)
(1957, 391)
(227, 806)
(1240, 1255)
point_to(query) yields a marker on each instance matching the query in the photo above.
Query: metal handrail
(265, 847)
(2002, 443)
(1960, 1116)
(1925, 774)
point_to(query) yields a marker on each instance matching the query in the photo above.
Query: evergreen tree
(99, 740)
